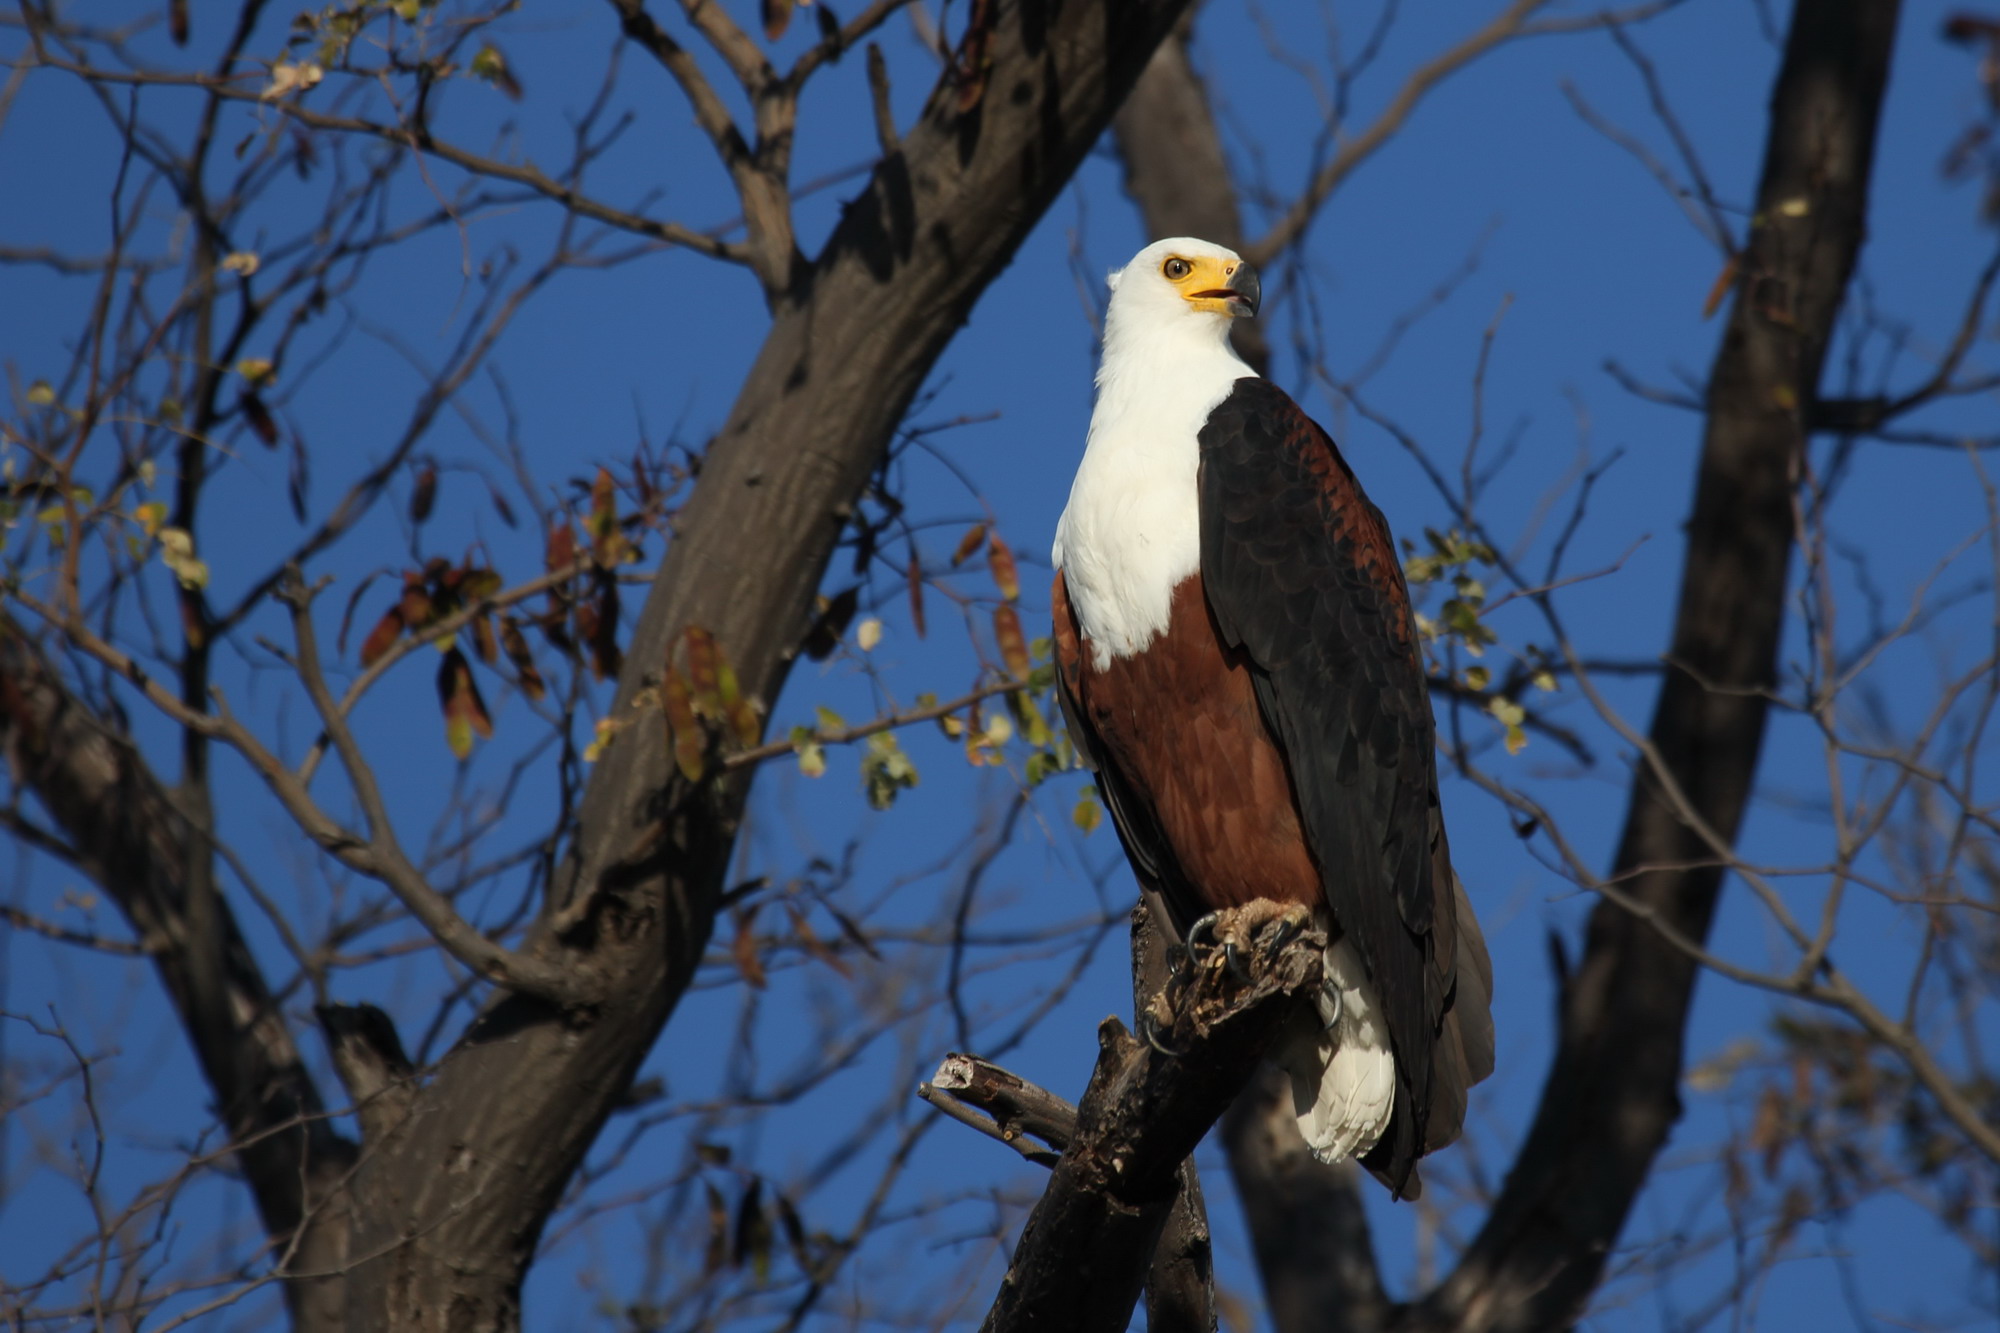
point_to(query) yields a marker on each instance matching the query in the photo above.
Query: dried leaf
(702, 674)
(916, 581)
(1006, 575)
(777, 17)
(347, 612)
(867, 634)
(483, 641)
(605, 657)
(1013, 644)
(753, 1231)
(490, 65)
(974, 63)
(834, 614)
(465, 712)
(607, 728)
(743, 948)
(788, 1217)
(474, 583)
(500, 505)
(745, 720)
(523, 659)
(561, 548)
(262, 423)
(689, 740)
(424, 495)
(298, 478)
(717, 1256)
(810, 941)
(415, 606)
(1767, 1130)
(974, 538)
(383, 637)
(607, 541)
(1724, 281)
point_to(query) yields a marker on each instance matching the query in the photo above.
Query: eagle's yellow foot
(1157, 1019)
(1209, 937)
(1261, 924)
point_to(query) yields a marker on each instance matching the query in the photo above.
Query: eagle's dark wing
(1302, 575)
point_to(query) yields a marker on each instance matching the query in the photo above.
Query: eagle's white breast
(1132, 528)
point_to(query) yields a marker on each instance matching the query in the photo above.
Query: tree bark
(1086, 1247)
(449, 1204)
(1613, 1093)
(1180, 1277)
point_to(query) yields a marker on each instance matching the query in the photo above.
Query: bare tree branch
(132, 841)
(1084, 1252)
(1613, 1093)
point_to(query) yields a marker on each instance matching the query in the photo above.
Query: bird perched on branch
(1239, 663)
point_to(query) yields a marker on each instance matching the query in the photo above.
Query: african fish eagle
(1239, 663)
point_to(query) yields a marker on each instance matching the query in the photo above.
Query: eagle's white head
(1180, 288)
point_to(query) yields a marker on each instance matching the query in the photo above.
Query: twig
(1002, 1106)
(887, 722)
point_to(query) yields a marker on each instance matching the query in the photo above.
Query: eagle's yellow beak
(1218, 286)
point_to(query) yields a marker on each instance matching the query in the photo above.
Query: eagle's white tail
(1343, 1074)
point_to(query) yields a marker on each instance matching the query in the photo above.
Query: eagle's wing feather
(1301, 574)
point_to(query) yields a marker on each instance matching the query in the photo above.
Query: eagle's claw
(1203, 942)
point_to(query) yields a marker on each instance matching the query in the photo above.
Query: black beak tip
(1244, 283)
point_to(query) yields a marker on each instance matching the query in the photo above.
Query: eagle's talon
(1150, 1028)
(1201, 941)
(1284, 931)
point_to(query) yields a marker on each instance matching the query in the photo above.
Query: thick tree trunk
(449, 1205)
(1613, 1094)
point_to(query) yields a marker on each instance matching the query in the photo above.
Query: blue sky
(1591, 262)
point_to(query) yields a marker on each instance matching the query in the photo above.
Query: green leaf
(1088, 813)
(886, 770)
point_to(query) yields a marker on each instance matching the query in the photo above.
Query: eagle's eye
(1176, 268)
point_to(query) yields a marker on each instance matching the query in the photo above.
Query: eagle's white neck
(1132, 530)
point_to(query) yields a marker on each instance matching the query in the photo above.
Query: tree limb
(133, 842)
(1613, 1092)
(838, 369)
(1084, 1252)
